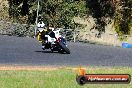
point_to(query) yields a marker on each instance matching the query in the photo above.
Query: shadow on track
(45, 52)
(49, 52)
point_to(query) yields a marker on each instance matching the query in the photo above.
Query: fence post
(36, 20)
(115, 39)
(74, 35)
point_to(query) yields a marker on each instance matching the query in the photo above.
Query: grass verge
(57, 78)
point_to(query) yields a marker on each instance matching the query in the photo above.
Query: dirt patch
(38, 68)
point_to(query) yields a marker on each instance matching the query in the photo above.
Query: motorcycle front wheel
(64, 48)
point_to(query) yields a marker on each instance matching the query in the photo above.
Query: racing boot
(43, 46)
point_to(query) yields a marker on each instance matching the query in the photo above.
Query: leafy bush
(22, 31)
(16, 29)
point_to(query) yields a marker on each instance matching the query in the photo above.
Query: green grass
(61, 78)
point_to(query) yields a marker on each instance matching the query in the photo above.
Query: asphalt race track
(27, 51)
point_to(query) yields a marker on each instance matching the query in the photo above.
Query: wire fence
(77, 35)
(72, 35)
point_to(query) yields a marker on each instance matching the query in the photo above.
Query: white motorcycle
(56, 42)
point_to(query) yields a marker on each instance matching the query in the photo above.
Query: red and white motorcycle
(56, 42)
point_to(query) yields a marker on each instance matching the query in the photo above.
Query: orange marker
(82, 71)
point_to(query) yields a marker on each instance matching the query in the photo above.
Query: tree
(57, 13)
(118, 10)
(100, 9)
(123, 16)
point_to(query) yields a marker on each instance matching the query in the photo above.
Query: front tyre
(63, 46)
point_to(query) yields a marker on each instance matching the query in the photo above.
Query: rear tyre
(52, 50)
(64, 48)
